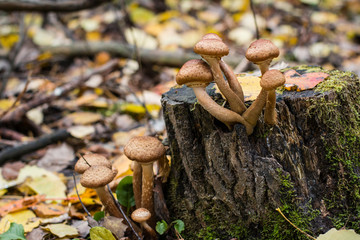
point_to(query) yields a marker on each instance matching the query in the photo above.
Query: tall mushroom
(141, 215)
(269, 82)
(212, 49)
(146, 150)
(262, 52)
(97, 177)
(197, 75)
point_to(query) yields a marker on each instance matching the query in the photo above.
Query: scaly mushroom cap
(272, 79)
(97, 176)
(144, 149)
(211, 36)
(261, 50)
(211, 47)
(140, 215)
(194, 73)
(93, 159)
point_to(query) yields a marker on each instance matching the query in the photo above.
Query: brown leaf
(115, 225)
(10, 171)
(48, 210)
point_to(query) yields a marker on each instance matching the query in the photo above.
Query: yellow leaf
(140, 15)
(83, 118)
(62, 230)
(93, 36)
(9, 40)
(25, 217)
(122, 138)
(165, 16)
(122, 164)
(100, 233)
(44, 56)
(251, 86)
(5, 104)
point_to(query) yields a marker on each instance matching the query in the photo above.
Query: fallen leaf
(82, 226)
(84, 118)
(48, 210)
(62, 230)
(36, 234)
(10, 171)
(20, 204)
(57, 158)
(303, 81)
(16, 231)
(251, 86)
(122, 138)
(334, 234)
(101, 233)
(122, 164)
(36, 115)
(115, 225)
(58, 219)
(81, 131)
(25, 217)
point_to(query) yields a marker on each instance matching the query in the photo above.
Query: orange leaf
(48, 210)
(21, 204)
(303, 81)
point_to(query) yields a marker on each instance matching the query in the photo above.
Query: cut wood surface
(225, 184)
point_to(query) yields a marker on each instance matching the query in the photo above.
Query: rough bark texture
(224, 184)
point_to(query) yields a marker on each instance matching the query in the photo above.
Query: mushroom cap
(140, 215)
(144, 149)
(97, 176)
(93, 159)
(194, 73)
(211, 47)
(272, 79)
(261, 50)
(211, 36)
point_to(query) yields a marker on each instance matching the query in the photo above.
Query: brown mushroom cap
(211, 47)
(97, 176)
(212, 36)
(140, 215)
(194, 73)
(93, 159)
(144, 149)
(261, 50)
(272, 79)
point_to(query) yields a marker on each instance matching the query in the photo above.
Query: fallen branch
(13, 153)
(48, 5)
(17, 114)
(157, 57)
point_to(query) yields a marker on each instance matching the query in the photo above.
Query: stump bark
(224, 184)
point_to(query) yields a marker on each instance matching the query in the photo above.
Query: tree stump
(225, 184)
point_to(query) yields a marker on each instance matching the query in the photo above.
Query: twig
(49, 5)
(77, 193)
(14, 153)
(21, 110)
(254, 15)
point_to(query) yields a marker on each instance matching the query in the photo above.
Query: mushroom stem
(270, 116)
(137, 173)
(149, 230)
(234, 101)
(264, 66)
(232, 80)
(222, 114)
(107, 201)
(252, 114)
(147, 199)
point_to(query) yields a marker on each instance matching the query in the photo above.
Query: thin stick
(77, 193)
(123, 213)
(254, 15)
(309, 236)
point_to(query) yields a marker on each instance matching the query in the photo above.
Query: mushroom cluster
(197, 74)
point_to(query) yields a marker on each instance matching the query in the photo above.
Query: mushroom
(91, 159)
(141, 215)
(232, 80)
(137, 179)
(97, 177)
(269, 82)
(212, 49)
(197, 75)
(146, 150)
(261, 52)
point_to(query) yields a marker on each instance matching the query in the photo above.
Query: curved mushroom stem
(147, 199)
(232, 80)
(224, 115)
(270, 116)
(234, 101)
(107, 201)
(137, 176)
(252, 114)
(149, 229)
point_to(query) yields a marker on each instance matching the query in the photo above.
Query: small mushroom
(212, 49)
(97, 177)
(91, 159)
(269, 82)
(262, 52)
(146, 150)
(141, 215)
(197, 75)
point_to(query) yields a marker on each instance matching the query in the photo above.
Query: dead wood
(48, 5)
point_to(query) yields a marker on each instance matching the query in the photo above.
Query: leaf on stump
(334, 234)
(301, 82)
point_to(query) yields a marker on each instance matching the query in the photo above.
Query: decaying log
(224, 184)
(48, 5)
(118, 49)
